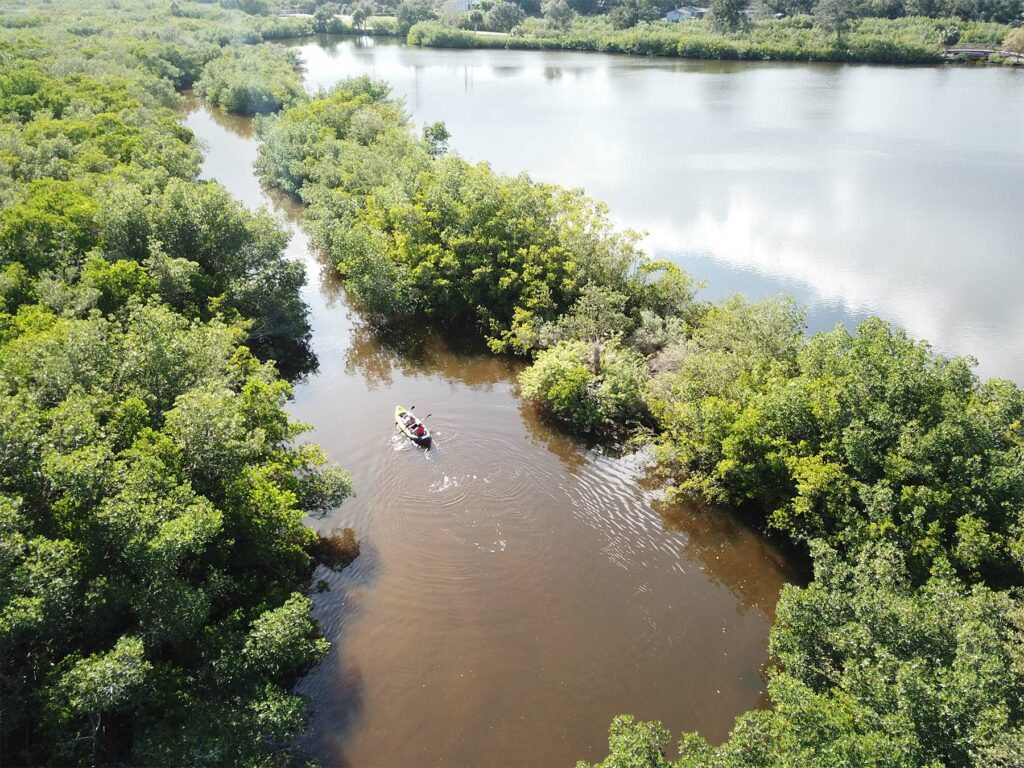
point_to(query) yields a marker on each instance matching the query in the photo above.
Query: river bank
(867, 41)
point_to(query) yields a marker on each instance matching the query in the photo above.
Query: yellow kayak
(408, 429)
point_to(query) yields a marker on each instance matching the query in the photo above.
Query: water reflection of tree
(287, 206)
(570, 450)
(378, 354)
(733, 554)
(375, 355)
(294, 357)
(237, 124)
(506, 71)
(338, 549)
(336, 685)
(332, 289)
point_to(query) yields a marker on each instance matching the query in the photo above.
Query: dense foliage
(153, 555)
(417, 233)
(252, 80)
(588, 386)
(152, 505)
(152, 494)
(855, 438)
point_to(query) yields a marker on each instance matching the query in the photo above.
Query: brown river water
(515, 589)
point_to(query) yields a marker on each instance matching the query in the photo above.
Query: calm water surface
(515, 589)
(860, 190)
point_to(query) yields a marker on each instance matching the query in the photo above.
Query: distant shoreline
(872, 41)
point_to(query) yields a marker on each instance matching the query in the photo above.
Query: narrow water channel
(515, 590)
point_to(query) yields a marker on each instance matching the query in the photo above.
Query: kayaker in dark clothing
(419, 431)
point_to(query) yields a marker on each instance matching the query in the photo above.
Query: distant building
(686, 13)
(459, 6)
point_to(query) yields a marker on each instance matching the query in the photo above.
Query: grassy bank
(914, 40)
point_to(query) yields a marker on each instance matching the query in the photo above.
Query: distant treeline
(627, 13)
(867, 31)
(915, 40)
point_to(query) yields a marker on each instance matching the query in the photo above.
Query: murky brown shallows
(514, 590)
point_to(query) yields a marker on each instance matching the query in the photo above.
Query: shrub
(251, 80)
(565, 381)
(1015, 41)
(437, 34)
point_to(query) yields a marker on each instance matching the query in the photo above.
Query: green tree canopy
(152, 493)
(505, 16)
(410, 12)
(557, 13)
(252, 80)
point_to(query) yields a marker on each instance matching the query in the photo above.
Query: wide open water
(860, 190)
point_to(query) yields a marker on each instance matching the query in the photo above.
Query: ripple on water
(465, 513)
(493, 563)
(605, 496)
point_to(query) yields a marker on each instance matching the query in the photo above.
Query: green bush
(252, 80)
(565, 381)
(436, 34)
(1015, 41)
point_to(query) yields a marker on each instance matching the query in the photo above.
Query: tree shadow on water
(335, 687)
(333, 714)
(382, 354)
(338, 549)
(294, 357)
(732, 553)
(571, 449)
